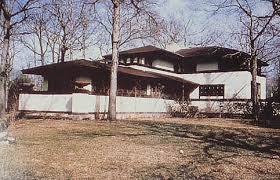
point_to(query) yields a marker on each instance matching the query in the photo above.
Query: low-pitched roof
(42, 70)
(215, 51)
(145, 49)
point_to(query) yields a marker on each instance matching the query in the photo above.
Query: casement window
(142, 60)
(212, 90)
(135, 60)
(128, 60)
(122, 61)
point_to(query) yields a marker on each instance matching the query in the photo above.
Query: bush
(271, 111)
(183, 109)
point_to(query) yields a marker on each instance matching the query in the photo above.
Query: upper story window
(142, 61)
(207, 66)
(134, 60)
(161, 64)
(128, 61)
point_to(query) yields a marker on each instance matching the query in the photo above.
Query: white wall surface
(207, 66)
(80, 103)
(237, 84)
(163, 65)
(262, 81)
(84, 103)
(43, 102)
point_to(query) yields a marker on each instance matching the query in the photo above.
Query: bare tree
(115, 59)
(68, 28)
(13, 14)
(36, 39)
(139, 23)
(254, 37)
(135, 24)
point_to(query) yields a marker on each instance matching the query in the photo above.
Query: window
(135, 60)
(207, 66)
(212, 90)
(122, 61)
(128, 61)
(142, 61)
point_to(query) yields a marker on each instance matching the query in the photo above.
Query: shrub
(183, 109)
(271, 111)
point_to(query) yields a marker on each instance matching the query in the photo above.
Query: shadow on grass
(219, 146)
(170, 173)
(257, 142)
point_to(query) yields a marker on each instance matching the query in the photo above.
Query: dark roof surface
(210, 51)
(41, 70)
(145, 49)
(215, 51)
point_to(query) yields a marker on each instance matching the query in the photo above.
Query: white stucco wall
(43, 102)
(207, 66)
(163, 64)
(84, 103)
(262, 81)
(237, 84)
(80, 103)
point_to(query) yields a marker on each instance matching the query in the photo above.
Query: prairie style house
(149, 78)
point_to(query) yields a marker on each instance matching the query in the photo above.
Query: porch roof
(96, 65)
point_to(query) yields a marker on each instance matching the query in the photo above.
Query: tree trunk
(63, 52)
(4, 64)
(254, 88)
(115, 59)
(42, 52)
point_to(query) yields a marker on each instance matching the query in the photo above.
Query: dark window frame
(214, 90)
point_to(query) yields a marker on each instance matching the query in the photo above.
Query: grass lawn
(141, 149)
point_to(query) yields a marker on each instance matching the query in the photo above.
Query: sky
(181, 9)
(197, 11)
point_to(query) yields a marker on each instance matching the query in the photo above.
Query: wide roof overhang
(98, 66)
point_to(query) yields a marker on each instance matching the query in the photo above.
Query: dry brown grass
(141, 149)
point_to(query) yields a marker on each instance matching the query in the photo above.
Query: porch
(93, 77)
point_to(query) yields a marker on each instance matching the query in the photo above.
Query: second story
(188, 61)
(150, 56)
(216, 59)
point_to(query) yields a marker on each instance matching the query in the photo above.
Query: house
(149, 79)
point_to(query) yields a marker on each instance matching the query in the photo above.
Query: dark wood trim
(200, 86)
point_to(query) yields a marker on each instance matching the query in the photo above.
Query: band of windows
(212, 90)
